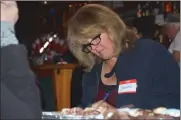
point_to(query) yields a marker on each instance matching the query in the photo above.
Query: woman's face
(102, 46)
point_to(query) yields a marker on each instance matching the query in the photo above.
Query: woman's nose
(94, 47)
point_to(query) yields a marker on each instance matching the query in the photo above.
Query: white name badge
(127, 86)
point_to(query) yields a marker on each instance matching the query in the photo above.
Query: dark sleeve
(166, 89)
(90, 88)
(164, 75)
(20, 97)
(166, 82)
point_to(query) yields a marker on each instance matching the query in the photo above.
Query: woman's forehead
(86, 40)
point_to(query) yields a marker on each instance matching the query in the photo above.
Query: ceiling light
(45, 2)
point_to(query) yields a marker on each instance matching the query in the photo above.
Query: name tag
(127, 86)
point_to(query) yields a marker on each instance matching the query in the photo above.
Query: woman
(122, 68)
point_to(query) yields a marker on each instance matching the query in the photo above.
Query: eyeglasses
(95, 41)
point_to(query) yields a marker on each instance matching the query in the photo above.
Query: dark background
(32, 14)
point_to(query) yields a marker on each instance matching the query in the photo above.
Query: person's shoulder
(177, 37)
(13, 48)
(7, 34)
(178, 34)
(95, 68)
(144, 48)
(155, 52)
(146, 52)
(14, 57)
(147, 42)
(92, 75)
(150, 45)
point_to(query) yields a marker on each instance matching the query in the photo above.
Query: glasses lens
(87, 49)
(96, 41)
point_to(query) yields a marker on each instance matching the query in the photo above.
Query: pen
(107, 95)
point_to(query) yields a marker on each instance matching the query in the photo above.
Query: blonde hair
(94, 19)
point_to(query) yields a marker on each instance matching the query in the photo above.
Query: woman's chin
(105, 57)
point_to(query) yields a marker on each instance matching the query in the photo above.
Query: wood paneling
(62, 76)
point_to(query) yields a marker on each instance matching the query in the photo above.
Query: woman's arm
(90, 88)
(166, 89)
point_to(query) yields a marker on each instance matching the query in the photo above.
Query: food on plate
(106, 112)
(90, 111)
(159, 110)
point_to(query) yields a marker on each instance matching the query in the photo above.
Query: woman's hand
(102, 104)
(75, 110)
(9, 11)
(107, 110)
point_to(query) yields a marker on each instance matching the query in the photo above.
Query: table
(62, 75)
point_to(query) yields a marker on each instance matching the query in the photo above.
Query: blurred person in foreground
(172, 25)
(20, 98)
(122, 68)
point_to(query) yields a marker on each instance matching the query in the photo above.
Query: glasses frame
(84, 47)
